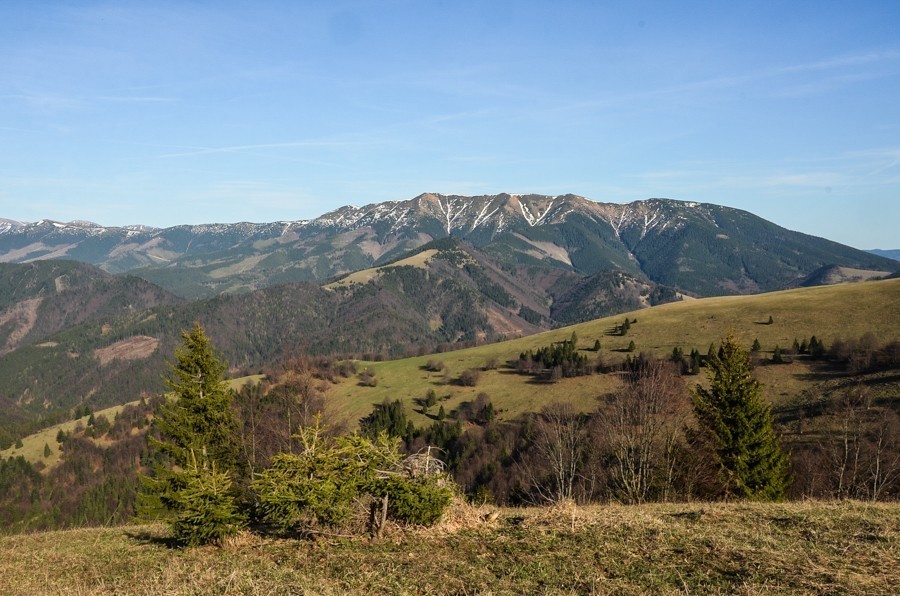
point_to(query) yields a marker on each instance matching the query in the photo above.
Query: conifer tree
(777, 357)
(198, 437)
(695, 362)
(204, 506)
(739, 423)
(200, 417)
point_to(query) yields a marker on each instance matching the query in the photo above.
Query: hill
(42, 298)
(830, 312)
(699, 249)
(488, 437)
(808, 547)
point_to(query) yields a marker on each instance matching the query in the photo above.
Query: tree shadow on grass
(152, 538)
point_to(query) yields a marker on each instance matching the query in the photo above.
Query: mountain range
(699, 249)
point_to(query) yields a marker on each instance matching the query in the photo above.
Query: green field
(33, 445)
(846, 311)
(709, 548)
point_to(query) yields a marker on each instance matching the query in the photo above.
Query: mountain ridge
(698, 248)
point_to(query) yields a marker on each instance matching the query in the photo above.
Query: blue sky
(165, 113)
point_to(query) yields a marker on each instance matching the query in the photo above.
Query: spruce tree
(198, 439)
(200, 417)
(777, 357)
(204, 506)
(739, 423)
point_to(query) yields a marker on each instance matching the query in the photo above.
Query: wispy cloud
(134, 99)
(61, 102)
(254, 148)
(868, 168)
(742, 79)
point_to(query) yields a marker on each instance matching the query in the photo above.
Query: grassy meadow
(706, 548)
(33, 445)
(828, 312)
(363, 276)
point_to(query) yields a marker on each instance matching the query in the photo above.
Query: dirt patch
(23, 315)
(503, 324)
(61, 285)
(851, 275)
(133, 348)
(548, 249)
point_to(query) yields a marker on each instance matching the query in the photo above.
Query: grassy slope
(746, 548)
(33, 445)
(419, 260)
(828, 312)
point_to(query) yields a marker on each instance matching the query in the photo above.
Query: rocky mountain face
(699, 249)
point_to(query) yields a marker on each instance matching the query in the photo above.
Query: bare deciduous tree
(642, 431)
(865, 452)
(560, 445)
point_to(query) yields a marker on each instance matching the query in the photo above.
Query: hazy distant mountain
(700, 249)
(890, 254)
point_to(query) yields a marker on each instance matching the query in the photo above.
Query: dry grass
(363, 276)
(744, 548)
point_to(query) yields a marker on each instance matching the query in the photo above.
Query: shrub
(367, 378)
(325, 482)
(346, 368)
(469, 377)
(418, 502)
(320, 484)
(434, 366)
(206, 511)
